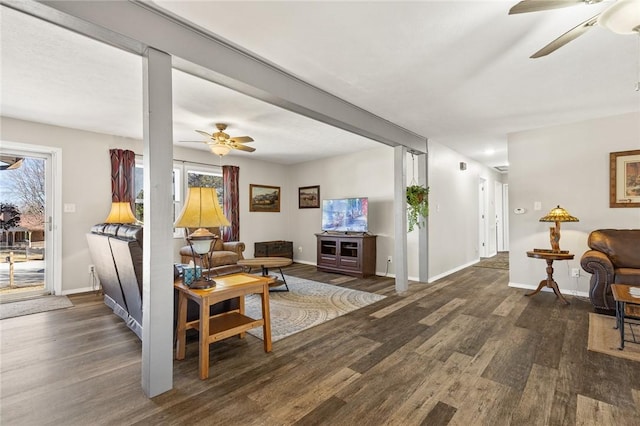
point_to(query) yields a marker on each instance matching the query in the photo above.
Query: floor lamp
(201, 210)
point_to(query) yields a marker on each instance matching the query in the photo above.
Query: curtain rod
(190, 162)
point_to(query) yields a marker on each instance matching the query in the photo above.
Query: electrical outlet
(389, 259)
(575, 272)
(300, 249)
(92, 269)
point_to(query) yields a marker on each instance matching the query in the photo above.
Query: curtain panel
(123, 164)
(230, 176)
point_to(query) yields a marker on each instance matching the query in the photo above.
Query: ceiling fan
(221, 143)
(621, 17)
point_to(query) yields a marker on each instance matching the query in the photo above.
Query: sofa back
(622, 246)
(116, 250)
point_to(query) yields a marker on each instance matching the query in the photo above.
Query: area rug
(605, 339)
(33, 306)
(307, 304)
(499, 261)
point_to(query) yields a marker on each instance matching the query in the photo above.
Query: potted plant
(418, 202)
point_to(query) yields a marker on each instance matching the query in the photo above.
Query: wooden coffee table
(625, 302)
(268, 262)
(226, 324)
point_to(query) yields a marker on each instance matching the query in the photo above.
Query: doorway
(29, 247)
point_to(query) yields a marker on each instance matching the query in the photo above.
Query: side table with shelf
(212, 329)
(626, 305)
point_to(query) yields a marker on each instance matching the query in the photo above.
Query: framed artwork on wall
(624, 174)
(309, 197)
(263, 198)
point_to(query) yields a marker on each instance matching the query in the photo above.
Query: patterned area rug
(605, 339)
(34, 306)
(307, 304)
(499, 261)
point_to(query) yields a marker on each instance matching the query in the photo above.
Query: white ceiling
(456, 72)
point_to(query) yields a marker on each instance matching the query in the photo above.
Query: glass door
(25, 224)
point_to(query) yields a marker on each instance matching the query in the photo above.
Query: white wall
(566, 165)
(453, 211)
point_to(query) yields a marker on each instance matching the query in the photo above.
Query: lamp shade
(201, 210)
(220, 149)
(559, 215)
(120, 213)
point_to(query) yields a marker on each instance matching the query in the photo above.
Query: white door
(499, 217)
(31, 185)
(482, 224)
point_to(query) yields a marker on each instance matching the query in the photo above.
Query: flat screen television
(345, 215)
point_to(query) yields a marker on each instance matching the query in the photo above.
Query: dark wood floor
(464, 350)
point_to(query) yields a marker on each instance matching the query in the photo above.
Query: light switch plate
(69, 208)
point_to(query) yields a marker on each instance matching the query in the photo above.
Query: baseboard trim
(451, 271)
(79, 290)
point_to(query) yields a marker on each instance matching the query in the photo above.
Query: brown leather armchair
(224, 255)
(614, 258)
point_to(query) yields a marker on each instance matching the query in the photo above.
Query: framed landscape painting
(309, 197)
(263, 198)
(624, 176)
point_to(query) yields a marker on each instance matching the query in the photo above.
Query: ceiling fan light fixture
(622, 17)
(220, 149)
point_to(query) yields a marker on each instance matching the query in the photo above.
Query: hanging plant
(418, 202)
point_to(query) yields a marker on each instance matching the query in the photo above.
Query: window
(205, 178)
(185, 175)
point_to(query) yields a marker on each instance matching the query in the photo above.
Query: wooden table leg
(549, 282)
(542, 284)
(204, 340)
(620, 322)
(181, 329)
(241, 310)
(266, 316)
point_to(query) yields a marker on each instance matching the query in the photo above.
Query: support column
(400, 217)
(157, 289)
(423, 233)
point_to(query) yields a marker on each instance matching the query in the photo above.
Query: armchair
(223, 254)
(614, 258)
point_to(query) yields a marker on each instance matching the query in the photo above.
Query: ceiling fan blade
(565, 38)
(526, 6)
(203, 133)
(242, 139)
(242, 148)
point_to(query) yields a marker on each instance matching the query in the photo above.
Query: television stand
(349, 254)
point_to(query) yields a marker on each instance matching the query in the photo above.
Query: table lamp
(201, 210)
(557, 215)
(120, 213)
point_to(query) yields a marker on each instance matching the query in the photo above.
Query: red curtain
(123, 163)
(231, 202)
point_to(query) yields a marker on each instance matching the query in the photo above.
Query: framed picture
(624, 176)
(263, 198)
(309, 197)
